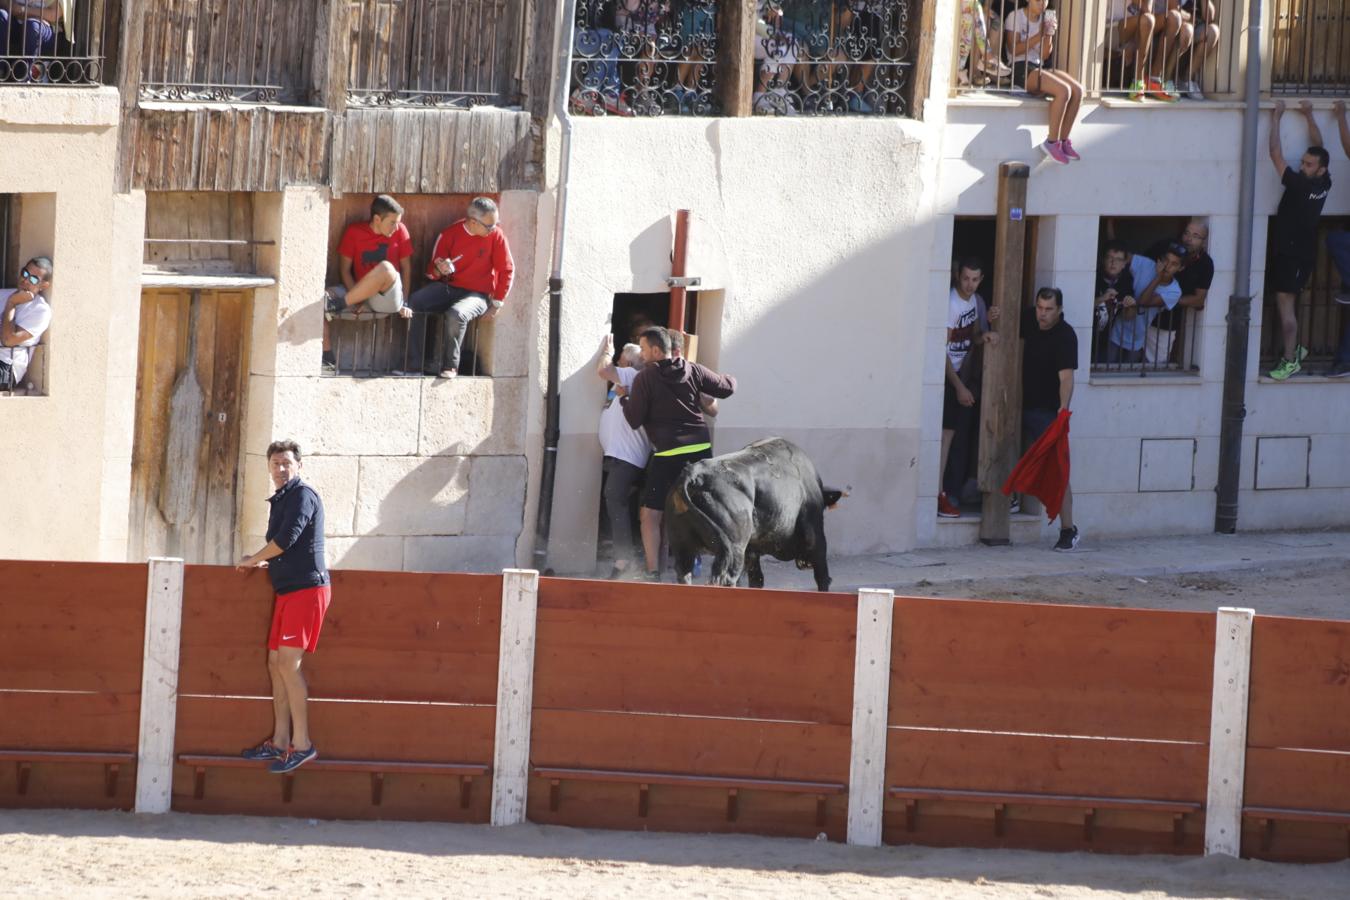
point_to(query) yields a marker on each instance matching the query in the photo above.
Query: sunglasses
(30, 277)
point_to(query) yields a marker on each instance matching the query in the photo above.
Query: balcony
(1310, 48)
(63, 45)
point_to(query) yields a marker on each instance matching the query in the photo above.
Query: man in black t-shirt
(1293, 239)
(1049, 358)
(1195, 277)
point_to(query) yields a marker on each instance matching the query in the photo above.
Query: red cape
(1043, 471)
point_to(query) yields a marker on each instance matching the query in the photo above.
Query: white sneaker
(1192, 90)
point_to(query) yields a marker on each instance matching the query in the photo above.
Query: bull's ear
(832, 496)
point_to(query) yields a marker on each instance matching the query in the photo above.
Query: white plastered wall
(813, 229)
(61, 148)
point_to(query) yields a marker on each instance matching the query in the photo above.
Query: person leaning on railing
(25, 317)
(1031, 42)
(37, 21)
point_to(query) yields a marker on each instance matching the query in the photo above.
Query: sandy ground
(61, 854)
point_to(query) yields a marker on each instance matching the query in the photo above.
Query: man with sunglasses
(26, 316)
(469, 276)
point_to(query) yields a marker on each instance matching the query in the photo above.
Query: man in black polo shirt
(1195, 277)
(1293, 239)
(1049, 358)
(294, 559)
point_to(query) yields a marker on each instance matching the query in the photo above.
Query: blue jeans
(38, 36)
(460, 308)
(1338, 247)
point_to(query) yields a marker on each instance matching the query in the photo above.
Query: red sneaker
(946, 509)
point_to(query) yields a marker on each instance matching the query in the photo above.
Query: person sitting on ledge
(375, 262)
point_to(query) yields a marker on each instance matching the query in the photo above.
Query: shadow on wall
(459, 505)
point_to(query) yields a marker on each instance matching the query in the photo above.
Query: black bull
(765, 499)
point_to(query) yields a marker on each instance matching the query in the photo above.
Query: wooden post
(515, 696)
(332, 49)
(131, 40)
(1001, 391)
(736, 56)
(159, 685)
(1228, 731)
(871, 708)
(922, 73)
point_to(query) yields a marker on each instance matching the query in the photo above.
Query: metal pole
(552, 411)
(1240, 301)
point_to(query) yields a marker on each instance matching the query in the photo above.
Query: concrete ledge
(62, 107)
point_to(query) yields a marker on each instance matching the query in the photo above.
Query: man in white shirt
(958, 401)
(626, 451)
(26, 316)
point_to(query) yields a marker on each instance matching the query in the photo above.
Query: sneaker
(1068, 540)
(1191, 89)
(698, 567)
(1053, 150)
(1015, 506)
(447, 373)
(1339, 370)
(1164, 91)
(1300, 352)
(328, 361)
(1343, 299)
(1286, 368)
(947, 509)
(333, 303)
(293, 760)
(1138, 89)
(265, 750)
(652, 577)
(1066, 147)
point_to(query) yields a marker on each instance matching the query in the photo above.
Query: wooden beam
(1228, 731)
(331, 52)
(922, 73)
(131, 41)
(1001, 392)
(159, 685)
(515, 696)
(871, 708)
(736, 56)
(540, 29)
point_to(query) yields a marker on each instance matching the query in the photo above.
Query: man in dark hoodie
(666, 400)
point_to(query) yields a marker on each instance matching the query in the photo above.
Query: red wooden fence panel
(1298, 736)
(692, 681)
(406, 672)
(71, 642)
(1039, 699)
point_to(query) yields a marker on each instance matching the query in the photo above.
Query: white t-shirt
(32, 317)
(1027, 30)
(617, 439)
(961, 318)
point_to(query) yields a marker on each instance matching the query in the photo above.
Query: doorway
(192, 365)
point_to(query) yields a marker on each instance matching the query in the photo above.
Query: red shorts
(297, 618)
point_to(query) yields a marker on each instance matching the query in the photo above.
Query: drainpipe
(1240, 302)
(555, 288)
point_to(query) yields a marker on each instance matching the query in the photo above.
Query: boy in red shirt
(469, 276)
(375, 262)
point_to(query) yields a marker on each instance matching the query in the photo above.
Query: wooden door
(185, 460)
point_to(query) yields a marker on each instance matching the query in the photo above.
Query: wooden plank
(1001, 389)
(922, 73)
(342, 765)
(871, 690)
(100, 721)
(1297, 778)
(515, 693)
(1037, 764)
(1228, 731)
(1070, 800)
(540, 47)
(695, 650)
(713, 781)
(131, 41)
(331, 49)
(159, 685)
(80, 785)
(220, 476)
(387, 636)
(1299, 694)
(733, 748)
(1052, 669)
(736, 20)
(399, 732)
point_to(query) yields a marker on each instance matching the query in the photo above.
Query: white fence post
(159, 685)
(515, 696)
(1228, 731)
(871, 704)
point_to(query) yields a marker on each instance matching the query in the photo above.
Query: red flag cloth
(1043, 471)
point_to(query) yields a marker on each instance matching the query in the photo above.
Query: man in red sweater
(469, 276)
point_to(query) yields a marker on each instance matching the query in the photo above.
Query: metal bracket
(684, 281)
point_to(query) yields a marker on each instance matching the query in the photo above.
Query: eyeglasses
(483, 225)
(29, 277)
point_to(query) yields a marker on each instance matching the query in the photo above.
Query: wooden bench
(644, 780)
(377, 769)
(1000, 800)
(112, 764)
(1267, 816)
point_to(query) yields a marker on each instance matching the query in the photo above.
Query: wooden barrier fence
(472, 698)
